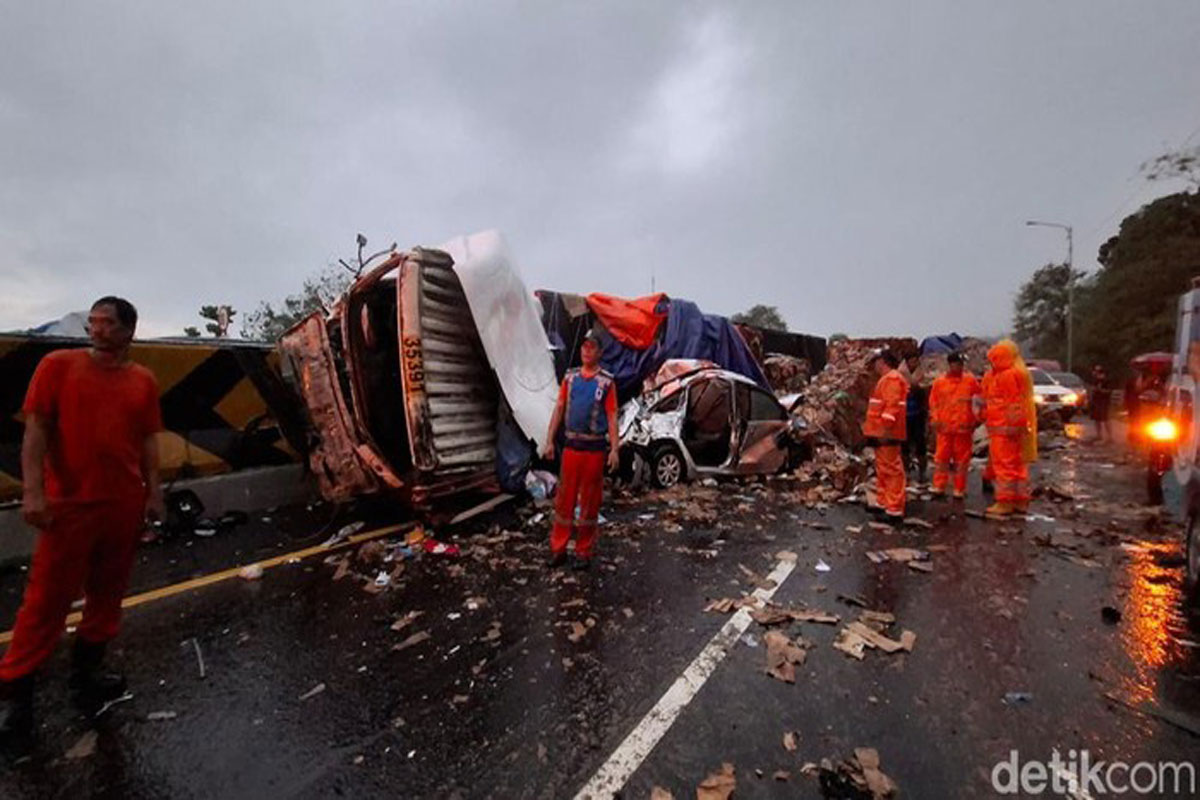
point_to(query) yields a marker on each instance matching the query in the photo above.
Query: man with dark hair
(952, 402)
(587, 408)
(89, 464)
(885, 426)
(915, 449)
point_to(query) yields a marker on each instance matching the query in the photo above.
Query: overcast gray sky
(866, 167)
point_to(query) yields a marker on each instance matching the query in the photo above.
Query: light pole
(1070, 284)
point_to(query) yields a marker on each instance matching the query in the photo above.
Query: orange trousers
(1012, 471)
(88, 550)
(889, 475)
(953, 447)
(580, 481)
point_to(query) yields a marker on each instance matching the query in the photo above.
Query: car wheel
(666, 466)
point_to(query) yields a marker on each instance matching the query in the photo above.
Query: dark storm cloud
(866, 167)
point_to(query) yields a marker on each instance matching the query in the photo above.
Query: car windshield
(1068, 379)
(1041, 378)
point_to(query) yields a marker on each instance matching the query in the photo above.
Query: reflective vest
(586, 418)
(886, 415)
(1005, 403)
(951, 403)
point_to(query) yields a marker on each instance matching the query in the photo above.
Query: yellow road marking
(224, 575)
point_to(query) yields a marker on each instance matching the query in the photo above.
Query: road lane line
(629, 755)
(224, 575)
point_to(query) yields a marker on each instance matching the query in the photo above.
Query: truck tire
(666, 466)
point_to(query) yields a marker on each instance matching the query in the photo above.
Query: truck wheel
(666, 466)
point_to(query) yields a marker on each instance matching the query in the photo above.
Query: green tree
(213, 326)
(1182, 164)
(320, 291)
(761, 316)
(1040, 312)
(1131, 305)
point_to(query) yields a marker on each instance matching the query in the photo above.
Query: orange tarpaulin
(633, 323)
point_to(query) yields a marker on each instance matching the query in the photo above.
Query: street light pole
(1070, 284)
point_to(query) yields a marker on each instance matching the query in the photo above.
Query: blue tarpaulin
(935, 345)
(687, 333)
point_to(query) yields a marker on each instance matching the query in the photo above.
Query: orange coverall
(1006, 414)
(886, 421)
(951, 408)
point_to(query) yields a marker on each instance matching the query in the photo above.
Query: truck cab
(1181, 484)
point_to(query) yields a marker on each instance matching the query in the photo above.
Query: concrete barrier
(247, 490)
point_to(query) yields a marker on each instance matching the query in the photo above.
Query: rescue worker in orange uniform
(587, 406)
(951, 406)
(885, 426)
(1007, 397)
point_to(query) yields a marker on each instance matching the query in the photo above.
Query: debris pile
(787, 374)
(856, 777)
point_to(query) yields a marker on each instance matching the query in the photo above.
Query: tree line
(1129, 305)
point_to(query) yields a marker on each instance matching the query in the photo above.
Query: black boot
(91, 685)
(16, 711)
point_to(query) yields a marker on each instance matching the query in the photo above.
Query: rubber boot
(16, 712)
(91, 685)
(998, 510)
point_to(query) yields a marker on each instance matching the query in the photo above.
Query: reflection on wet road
(485, 675)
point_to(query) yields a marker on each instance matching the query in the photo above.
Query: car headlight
(1039, 398)
(1070, 399)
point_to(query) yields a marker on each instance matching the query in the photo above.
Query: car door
(764, 426)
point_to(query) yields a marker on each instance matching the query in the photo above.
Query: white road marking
(629, 755)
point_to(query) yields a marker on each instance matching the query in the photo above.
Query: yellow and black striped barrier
(225, 406)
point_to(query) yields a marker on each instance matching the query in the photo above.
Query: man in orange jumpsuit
(89, 465)
(1007, 415)
(587, 406)
(885, 427)
(951, 406)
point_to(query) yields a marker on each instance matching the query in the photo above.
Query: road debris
(161, 716)
(822, 566)
(783, 654)
(406, 620)
(659, 793)
(415, 639)
(775, 614)
(855, 777)
(868, 633)
(313, 692)
(727, 605)
(199, 658)
(718, 785)
(1110, 615)
(84, 747)
(1017, 698)
(789, 741)
(899, 554)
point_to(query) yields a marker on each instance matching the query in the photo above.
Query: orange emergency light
(1162, 430)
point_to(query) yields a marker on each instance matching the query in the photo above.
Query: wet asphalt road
(506, 698)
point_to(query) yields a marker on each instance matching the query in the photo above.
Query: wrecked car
(695, 419)
(421, 373)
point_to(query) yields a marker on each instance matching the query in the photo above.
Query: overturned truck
(427, 377)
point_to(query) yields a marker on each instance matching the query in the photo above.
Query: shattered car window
(765, 407)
